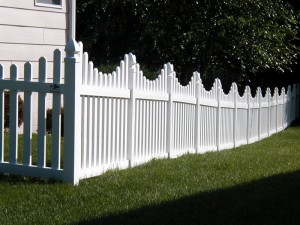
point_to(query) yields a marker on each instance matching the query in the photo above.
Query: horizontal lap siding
(29, 5)
(35, 69)
(23, 53)
(28, 32)
(33, 18)
(32, 35)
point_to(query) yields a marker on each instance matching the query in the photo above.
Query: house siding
(29, 31)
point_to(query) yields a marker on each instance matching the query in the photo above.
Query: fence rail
(121, 119)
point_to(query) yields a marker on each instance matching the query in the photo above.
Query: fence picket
(276, 94)
(27, 147)
(99, 128)
(85, 59)
(169, 111)
(13, 118)
(235, 114)
(84, 131)
(89, 128)
(268, 96)
(41, 151)
(94, 127)
(113, 131)
(56, 112)
(218, 119)
(259, 96)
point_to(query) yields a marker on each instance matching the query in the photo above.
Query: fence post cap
(1, 71)
(218, 83)
(258, 90)
(72, 48)
(276, 91)
(197, 77)
(131, 59)
(248, 90)
(234, 86)
(170, 69)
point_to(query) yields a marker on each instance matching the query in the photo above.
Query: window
(50, 3)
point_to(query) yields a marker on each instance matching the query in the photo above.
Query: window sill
(48, 5)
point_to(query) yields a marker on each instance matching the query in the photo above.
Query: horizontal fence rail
(122, 119)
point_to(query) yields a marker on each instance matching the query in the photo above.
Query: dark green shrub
(49, 121)
(6, 110)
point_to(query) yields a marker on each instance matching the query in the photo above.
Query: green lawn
(34, 149)
(254, 184)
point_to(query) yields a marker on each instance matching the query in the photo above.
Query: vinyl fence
(121, 119)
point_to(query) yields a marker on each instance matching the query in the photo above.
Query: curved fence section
(161, 118)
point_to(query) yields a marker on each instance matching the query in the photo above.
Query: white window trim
(48, 5)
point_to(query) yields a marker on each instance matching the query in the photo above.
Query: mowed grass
(34, 144)
(253, 184)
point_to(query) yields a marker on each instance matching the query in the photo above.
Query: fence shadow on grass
(273, 200)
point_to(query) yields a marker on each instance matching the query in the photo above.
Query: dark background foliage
(250, 42)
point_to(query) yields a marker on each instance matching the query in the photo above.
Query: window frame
(36, 3)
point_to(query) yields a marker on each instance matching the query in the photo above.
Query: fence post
(259, 96)
(285, 103)
(248, 93)
(1, 116)
(235, 94)
(197, 113)
(276, 114)
(131, 107)
(294, 103)
(170, 110)
(218, 127)
(72, 107)
(268, 95)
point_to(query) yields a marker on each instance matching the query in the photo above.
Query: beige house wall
(29, 31)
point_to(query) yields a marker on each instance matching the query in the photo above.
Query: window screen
(50, 2)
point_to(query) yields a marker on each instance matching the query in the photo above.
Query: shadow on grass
(272, 200)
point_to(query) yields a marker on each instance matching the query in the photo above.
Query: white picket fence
(23, 164)
(121, 119)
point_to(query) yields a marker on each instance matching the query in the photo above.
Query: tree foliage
(232, 39)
